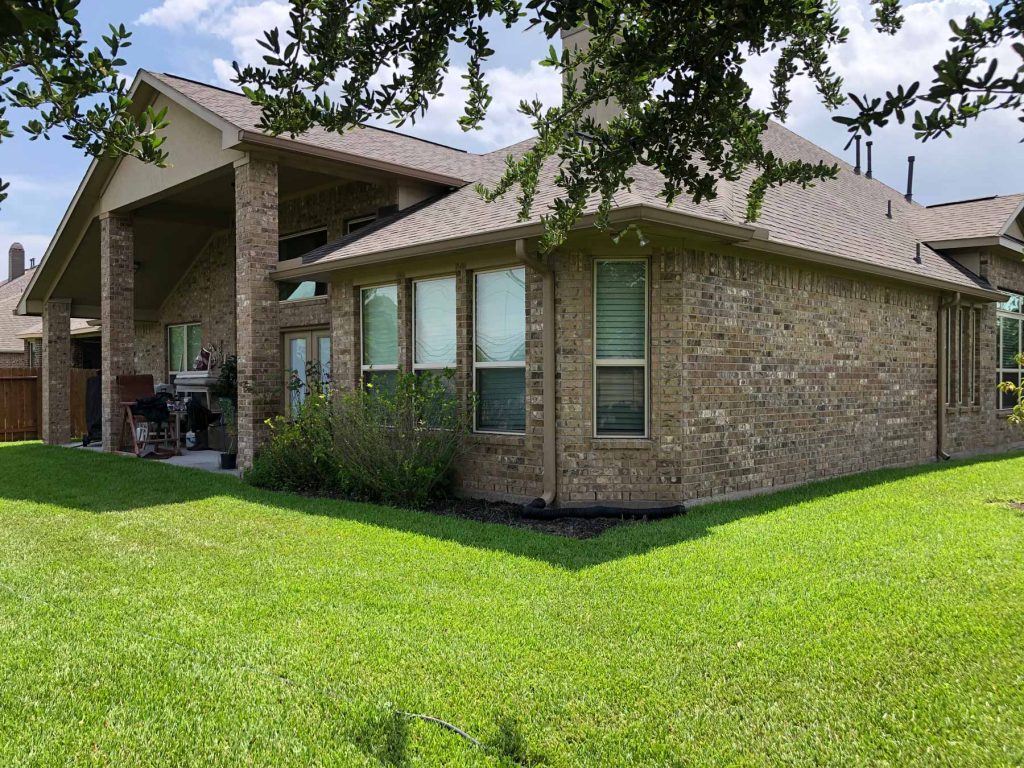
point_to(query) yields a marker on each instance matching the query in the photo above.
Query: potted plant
(225, 389)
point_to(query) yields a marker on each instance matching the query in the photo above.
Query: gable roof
(365, 142)
(968, 219)
(844, 219)
(14, 328)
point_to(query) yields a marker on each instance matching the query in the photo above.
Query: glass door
(307, 354)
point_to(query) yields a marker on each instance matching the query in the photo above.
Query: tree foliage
(674, 67)
(48, 70)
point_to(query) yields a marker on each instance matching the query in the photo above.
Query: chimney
(910, 179)
(16, 261)
(868, 174)
(572, 40)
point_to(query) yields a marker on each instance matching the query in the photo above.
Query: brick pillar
(404, 324)
(56, 371)
(345, 346)
(117, 317)
(260, 378)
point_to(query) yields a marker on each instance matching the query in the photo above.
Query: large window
(184, 343)
(434, 324)
(1010, 315)
(296, 246)
(620, 348)
(379, 314)
(499, 356)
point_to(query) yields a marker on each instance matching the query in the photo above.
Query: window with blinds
(379, 320)
(499, 350)
(620, 348)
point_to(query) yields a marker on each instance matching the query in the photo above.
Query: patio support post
(260, 367)
(56, 371)
(117, 317)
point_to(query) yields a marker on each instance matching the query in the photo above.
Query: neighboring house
(848, 329)
(21, 337)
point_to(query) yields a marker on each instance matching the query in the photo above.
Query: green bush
(300, 454)
(397, 444)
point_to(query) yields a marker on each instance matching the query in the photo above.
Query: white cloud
(871, 63)
(173, 14)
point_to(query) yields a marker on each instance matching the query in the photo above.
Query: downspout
(942, 368)
(550, 482)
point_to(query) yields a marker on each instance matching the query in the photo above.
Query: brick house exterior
(813, 344)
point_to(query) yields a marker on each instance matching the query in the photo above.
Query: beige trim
(248, 139)
(815, 257)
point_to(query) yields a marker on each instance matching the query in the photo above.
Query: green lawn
(149, 613)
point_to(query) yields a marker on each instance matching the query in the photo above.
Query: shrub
(300, 454)
(397, 444)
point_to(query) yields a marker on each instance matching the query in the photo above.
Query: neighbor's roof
(14, 328)
(844, 218)
(968, 219)
(368, 142)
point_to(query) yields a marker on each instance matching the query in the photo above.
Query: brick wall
(982, 427)
(761, 375)
(13, 360)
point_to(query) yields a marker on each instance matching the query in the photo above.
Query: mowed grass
(151, 615)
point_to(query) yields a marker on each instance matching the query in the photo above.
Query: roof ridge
(241, 95)
(986, 198)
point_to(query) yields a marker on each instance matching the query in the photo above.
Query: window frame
(368, 219)
(312, 337)
(433, 366)
(167, 342)
(1018, 371)
(303, 233)
(363, 367)
(508, 365)
(644, 363)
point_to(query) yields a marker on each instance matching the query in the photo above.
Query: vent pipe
(856, 167)
(910, 179)
(868, 174)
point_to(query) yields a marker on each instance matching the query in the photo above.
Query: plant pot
(228, 460)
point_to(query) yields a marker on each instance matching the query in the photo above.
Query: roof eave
(842, 262)
(726, 231)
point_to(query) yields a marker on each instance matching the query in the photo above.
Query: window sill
(299, 302)
(500, 438)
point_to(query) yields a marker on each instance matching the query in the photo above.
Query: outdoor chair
(145, 436)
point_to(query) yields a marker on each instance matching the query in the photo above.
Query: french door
(307, 356)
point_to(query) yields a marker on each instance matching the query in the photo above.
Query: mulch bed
(512, 515)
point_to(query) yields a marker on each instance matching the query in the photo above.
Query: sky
(199, 39)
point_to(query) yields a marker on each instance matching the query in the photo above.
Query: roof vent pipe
(910, 179)
(856, 167)
(888, 212)
(868, 174)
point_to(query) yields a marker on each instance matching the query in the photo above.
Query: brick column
(345, 346)
(260, 378)
(56, 371)
(117, 316)
(404, 324)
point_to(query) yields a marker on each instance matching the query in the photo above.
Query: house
(21, 337)
(849, 328)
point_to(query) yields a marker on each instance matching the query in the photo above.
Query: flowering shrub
(397, 444)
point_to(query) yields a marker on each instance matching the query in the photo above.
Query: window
(1010, 315)
(294, 247)
(379, 320)
(968, 354)
(184, 343)
(499, 356)
(306, 354)
(620, 348)
(433, 324)
(354, 225)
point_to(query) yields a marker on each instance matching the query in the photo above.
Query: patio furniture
(146, 435)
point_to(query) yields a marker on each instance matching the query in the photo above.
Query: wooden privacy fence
(21, 403)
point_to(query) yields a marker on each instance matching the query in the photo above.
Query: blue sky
(199, 39)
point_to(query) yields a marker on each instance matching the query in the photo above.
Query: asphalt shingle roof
(985, 217)
(845, 218)
(11, 325)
